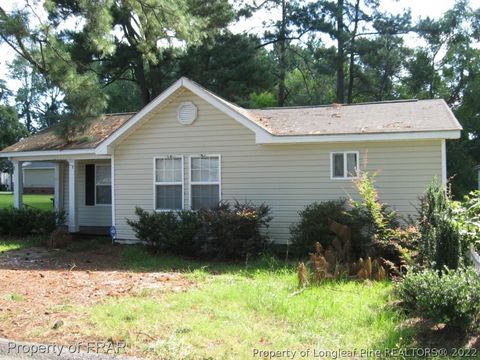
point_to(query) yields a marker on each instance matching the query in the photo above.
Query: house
(189, 149)
(38, 178)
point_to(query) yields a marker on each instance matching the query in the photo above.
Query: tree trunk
(340, 54)
(141, 80)
(351, 71)
(28, 122)
(282, 58)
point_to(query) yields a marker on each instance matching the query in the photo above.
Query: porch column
(58, 186)
(72, 196)
(17, 184)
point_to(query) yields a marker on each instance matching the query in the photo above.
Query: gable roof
(389, 120)
(100, 129)
(366, 118)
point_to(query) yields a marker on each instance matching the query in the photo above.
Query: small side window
(344, 165)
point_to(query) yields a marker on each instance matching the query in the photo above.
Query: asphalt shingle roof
(100, 129)
(368, 118)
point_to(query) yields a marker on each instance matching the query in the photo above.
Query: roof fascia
(313, 139)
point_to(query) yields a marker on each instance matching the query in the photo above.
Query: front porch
(82, 188)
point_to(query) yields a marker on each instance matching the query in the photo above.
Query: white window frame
(111, 186)
(155, 182)
(191, 182)
(345, 172)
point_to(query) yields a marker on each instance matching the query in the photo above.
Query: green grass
(42, 202)
(13, 297)
(8, 244)
(233, 309)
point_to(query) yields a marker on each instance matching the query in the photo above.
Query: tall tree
(41, 45)
(231, 65)
(38, 102)
(347, 22)
(11, 129)
(279, 33)
(135, 36)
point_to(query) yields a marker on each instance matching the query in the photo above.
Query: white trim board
(444, 161)
(400, 136)
(48, 153)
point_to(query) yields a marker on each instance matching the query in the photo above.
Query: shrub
(234, 231)
(230, 231)
(466, 214)
(449, 296)
(440, 242)
(184, 241)
(381, 223)
(388, 240)
(170, 231)
(29, 221)
(314, 226)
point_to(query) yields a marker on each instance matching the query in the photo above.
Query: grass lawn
(233, 310)
(43, 202)
(7, 244)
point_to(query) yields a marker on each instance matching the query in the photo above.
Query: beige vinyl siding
(98, 215)
(287, 177)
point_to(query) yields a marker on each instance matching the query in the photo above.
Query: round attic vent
(186, 113)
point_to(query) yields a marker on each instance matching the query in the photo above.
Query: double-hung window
(103, 184)
(204, 181)
(169, 183)
(344, 165)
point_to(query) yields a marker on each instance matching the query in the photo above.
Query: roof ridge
(341, 105)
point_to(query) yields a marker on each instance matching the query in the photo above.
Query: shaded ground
(40, 288)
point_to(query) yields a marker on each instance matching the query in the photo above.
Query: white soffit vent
(186, 113)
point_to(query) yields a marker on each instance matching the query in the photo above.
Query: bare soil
(39, 290)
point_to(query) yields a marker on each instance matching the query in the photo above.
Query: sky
(419, 8)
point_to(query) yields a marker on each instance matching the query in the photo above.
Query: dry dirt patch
(39, 291)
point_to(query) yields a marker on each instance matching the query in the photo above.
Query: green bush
(230, 231)
(440, 242)
(449, 296)
(29, 221)
(380, 223)
(171, 231)
(314, 226)
(184, 240)
(234, 231)
(466, 214)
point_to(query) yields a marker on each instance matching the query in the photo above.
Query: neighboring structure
(189, 149)
(38, 178)
(6, 183)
